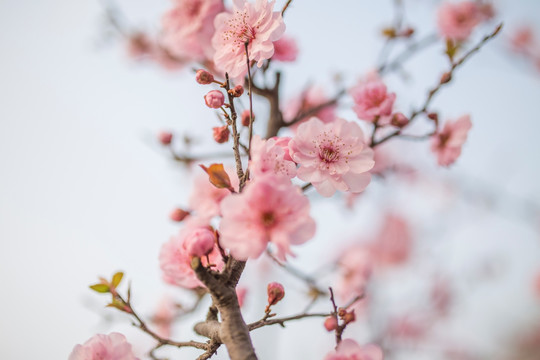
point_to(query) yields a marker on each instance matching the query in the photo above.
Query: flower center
(193, 8)
(268, 219)
(240, 31)
(328, 154)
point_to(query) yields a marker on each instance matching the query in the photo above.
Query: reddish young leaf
(218, 176)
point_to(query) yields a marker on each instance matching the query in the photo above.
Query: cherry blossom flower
(268, 156)
(283, 141)
(523, 40)
(307, 100)
(285, 50)
(349, 349)
(188, 28)
(447, 143)
(270, 209)
(214, 99)
(254, 23)
(332, 156)
(104, 347)
(355, 268)
(372, 102)
(457, 20)
(175, 258)
(205, 197)
(164, 316)
(392, 245)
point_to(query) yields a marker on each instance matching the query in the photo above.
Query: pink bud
(200, 242)
(237, 91)
(245, 117)
(214, 99)
(446, 77)
(275, 293)
(203, 77)
(165, 137)
(399, 120)
(221, 134)
(178, 214)
(330, 324)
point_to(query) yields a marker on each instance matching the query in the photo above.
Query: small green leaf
(100, 288)
(116, 279)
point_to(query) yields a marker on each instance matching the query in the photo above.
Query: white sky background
(84, 191)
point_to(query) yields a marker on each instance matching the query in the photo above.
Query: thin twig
(282, 321)
(285, 7)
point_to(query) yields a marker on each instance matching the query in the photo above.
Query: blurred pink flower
(188, 28)
(270, 209)
(255, 23)
(175, 260)
(104, 347)
(332, 156)
(285, 49)
(372, 101)
(457, 20)
(348, 349)
(205, 197)
(447, 143)
(269, 157)
(283, 141)
(355, 268)
(522, 40)
(308, 99)
(164, 315)
(393, 243)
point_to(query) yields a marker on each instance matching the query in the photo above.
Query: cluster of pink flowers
(189, 26)
(332, 156)
(194, 239)
(349, 349)
(447, 143)
(373, 102)
(269, 210)
(253, 23)
(104, 347)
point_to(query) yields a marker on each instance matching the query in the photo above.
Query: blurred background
(86, 189)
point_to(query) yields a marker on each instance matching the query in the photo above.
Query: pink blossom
(188, 28)
(355, 268)
(254, 23)
(332, 156)
(283, 141)
(447, 143)
(205, 197)
(522, 40)
(203, 77)
(175, 259)
(221, 134)
(214, 99)
(104, 347)
(165, 137)
(307, 100)
(164, 316)
(270, 209)
(393, 243)
(246, 117)
(200, 242)
(269, 157)
(457, 20)
(349, 349)
(285, 49)
(275, 292)
(372, 102)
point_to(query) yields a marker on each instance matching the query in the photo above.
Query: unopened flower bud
(165, 137)
(275, 293)
(221, 134)
(203, 77)
(237, 91)
(408, 32)
(446, 77)
(178, 214)
(330, 324)
(399, 120)
(245, 117)
(200, 242)
(341, 312)
(214, 99)
(433, 116)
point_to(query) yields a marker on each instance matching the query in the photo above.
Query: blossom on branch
(348, 349)
(269, 210)
(332, 156)
(285, 49)
(253, 23)
(372, 102)
(457, 21)
(104, 347)
(205, 197)
(267, 156)
(447, 143)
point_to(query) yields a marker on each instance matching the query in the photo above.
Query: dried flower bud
(330, 324)
(341, 312)
(399, 120)
(245, 117)
(237, 91)
(275, 293)
(200, 242)
(178, 214)
(446, 77)
(433, 116)
(221, 134)
(349, 317)
(214, 99)
(165, 137)
(203, 77)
